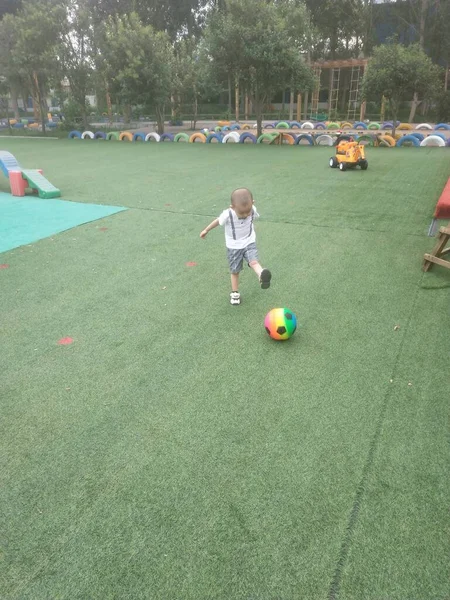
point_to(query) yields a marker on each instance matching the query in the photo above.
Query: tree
(252, 41)
(9, 7)
(35, 32)
(396, 72)
(175, 17)
(139, 64)
(12, 82)
(437, 38)
(186, 76)
(77, 53)
(412, 23)
(301, 33)
(193, 76)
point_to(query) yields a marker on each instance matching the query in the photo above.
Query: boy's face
(243, 210)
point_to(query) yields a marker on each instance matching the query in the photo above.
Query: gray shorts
(236, 257)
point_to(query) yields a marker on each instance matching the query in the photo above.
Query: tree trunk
(24, 97)
(36, 113)
(422, 19)
(229, 96)
(246, 107)
(43, 108)
(14, 102)
(258, 111)
(258, 119)
(447, 68)
(283, 105)
(308, 62)
(382, 109)
(236, 100)
(84, 113)
(160, 118)
(108, 103)
(4, 105)
(423, 108)
(394, 110)
(362, 110)
(415, 103)
(299, 107)
(40, 102)
(291, 106)
(195, 108)
(176, 107)
(423, 15)
(333, 44)
(127, 114)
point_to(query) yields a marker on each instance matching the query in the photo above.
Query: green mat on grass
(27, 220)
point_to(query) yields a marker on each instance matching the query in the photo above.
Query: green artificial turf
(174, 451)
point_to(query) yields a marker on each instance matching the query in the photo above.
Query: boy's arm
(212, 225)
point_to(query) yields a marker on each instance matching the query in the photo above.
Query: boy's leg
(235, 260)
(264, 275)
(254, 264)
(235, 297)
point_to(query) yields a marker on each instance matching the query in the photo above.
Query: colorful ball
(280, 323)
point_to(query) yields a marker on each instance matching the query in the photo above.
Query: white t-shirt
(239, 233)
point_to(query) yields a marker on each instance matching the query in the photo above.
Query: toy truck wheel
(333, 162)
(364, 164)
(342, 166)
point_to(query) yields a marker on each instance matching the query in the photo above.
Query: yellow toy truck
(348, 156)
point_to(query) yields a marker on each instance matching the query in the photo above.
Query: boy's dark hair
(241, 196)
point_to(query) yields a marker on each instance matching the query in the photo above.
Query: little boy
(240, 240)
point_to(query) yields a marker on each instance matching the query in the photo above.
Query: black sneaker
(265, 278)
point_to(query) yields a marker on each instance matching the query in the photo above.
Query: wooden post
(236, 99)
(291, 106)
(362, 111)
(299, 107)
(330, 93)
(246, 107)
(306, 105)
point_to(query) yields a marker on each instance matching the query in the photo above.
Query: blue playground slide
(36, 180)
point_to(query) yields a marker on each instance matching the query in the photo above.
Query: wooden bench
(441, 249)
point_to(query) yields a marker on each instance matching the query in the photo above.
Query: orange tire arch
(126, 135)
(197, 136)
